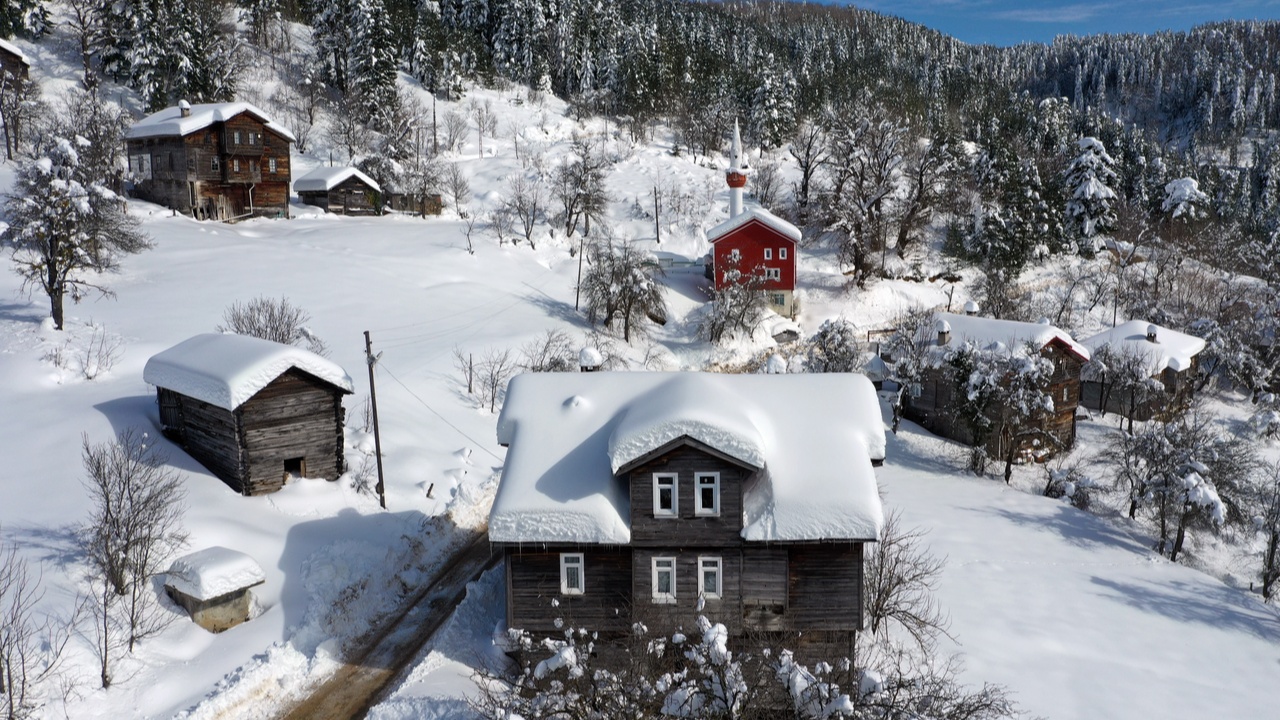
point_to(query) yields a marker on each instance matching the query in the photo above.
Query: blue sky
(1008, 22)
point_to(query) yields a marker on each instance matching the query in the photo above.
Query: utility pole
(435, 132)
(371, 360)
(582, 249)
(657, 211)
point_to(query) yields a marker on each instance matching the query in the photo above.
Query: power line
(383, 365)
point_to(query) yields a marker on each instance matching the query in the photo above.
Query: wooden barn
(930, 402)
(645, 497)
(342, 190)
(755, 243)
(1143, 350)
(214, 161)
(252, 411)
(14, 65)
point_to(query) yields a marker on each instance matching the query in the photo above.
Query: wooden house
(657, 497)
(343, 190)
(930, 402)
(14, 65)
(753, 243)
(213, 586)
(252, 411)
(219, 161)
(1146, 350)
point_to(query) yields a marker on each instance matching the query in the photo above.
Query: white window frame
(704, 563)
(253, 138)
(660, 597)
(235, 164)
(768, 253)
(782, 253)
(568, 560)
(658, 479)
(236, 137)
(772, 273)
(271, 165)
(699, 509)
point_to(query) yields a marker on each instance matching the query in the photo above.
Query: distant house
(252, 411)
(14, 65)
(343, 190)
(1166, 356)
(754, 242)
(214, 161)
(645, 496)
(930, 402)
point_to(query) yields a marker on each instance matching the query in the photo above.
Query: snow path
(1073, 613)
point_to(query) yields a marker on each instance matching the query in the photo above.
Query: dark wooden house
(342, 190)
(930, 402)
(219, 161)
(658, 497)
(14, 65)
(252, 411)
(1140, 350)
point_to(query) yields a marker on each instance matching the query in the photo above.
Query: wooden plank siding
(688, 529)
(824, 587)
(208, 433)
(533, 582)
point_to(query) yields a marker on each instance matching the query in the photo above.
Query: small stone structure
(213, 586)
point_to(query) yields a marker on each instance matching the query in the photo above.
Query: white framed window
(236, 137)
(253, 138)
(778, 299)
(572, 578)
(1064, 394)
(664, 579)
(782, 253)
(235, 165)
(666, 500)
(214, 165)
(768, 253)
(706, 494)
(710, 577)
(772, 273)
(271, 164)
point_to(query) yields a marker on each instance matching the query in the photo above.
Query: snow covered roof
(169, 121)
(1171, 349)
(213, 572)
(1009, 333)
(813, 437)
(4, 45)
(763, 216)
(226, 369)
(324, 179)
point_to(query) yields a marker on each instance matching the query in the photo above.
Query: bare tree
(20, 109)
(31, 647)
(134, 527)
(900, 577)
(347, 129)
(578, 185)
(736, 306)
(492, 374)
(458, 187)
(502, 223)
(1267, 511)
(809, 148)
(455, 129)
(526, 203)
(621, 286)
(927, 165)
(275, 320)
(486, 121)
(766, 182)
(550, 352)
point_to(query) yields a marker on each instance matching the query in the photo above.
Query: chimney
(184, 108)
(971, 308)
(1151, 333)
(944, 332)
(589, 360)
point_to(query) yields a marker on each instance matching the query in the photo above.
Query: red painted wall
(750, 241)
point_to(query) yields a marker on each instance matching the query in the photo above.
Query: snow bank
(169, 121)
(1171, 349)
(324, 179)
(226, 369)
(812, 436)
(214, 572)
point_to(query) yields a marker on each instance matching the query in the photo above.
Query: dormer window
(665, 500)
(572, 581)
(706, 494)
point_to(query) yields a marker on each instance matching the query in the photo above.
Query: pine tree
(23, 17)
(1089, 178)
(372, 58)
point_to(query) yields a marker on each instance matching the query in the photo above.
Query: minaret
(736, 175)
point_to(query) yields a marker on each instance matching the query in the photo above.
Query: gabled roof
(324, 179)
(1171, 349)
(985, 332)
(812, 436)
(169, 121)
(10, 47)
(226, 370)
(760, 215)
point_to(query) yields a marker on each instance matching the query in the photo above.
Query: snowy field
(1072, 612)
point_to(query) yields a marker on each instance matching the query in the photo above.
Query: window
(253, 138)
(253, 166)
(710, 577)
(665, 501)
(782, 253)
(664, 579)
(271, 165)
(214, 164)
(778, 299)
(236, 136)
(772, 273)
(1064, 394)
(706, 499)
(572, 581)
(170, 160)
(768, 253)
(235, 165)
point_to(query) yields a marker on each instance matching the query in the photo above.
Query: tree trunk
(55, 307)
(1182, 534)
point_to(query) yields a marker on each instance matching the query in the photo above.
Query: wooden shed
(213, 586)
(14, 65)
(343, 190)
(252, 411)
(1140, 349)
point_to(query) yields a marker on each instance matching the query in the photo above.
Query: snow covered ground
(1072, 612)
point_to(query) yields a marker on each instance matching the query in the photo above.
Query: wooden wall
(351, 197)
(296, 416)
(687, 530)
(533, 582)
(208, 433)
